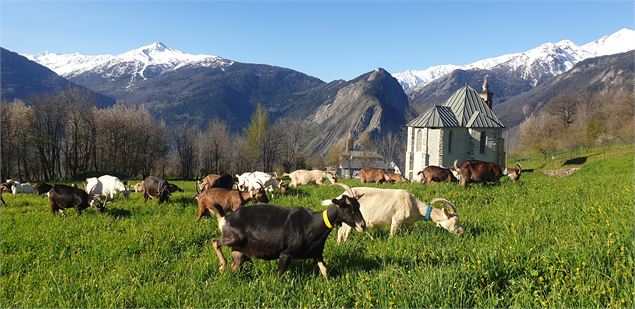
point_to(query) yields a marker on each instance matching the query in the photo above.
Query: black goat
(269, 232)
(156, 187)
(63, 196)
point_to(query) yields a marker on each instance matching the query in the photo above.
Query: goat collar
(428, 212)
(325, 217)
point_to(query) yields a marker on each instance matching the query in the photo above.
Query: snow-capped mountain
(536, 65)
(138, 64)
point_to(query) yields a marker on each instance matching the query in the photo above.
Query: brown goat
(376, 175)
(395, 178)
(229, 200)
(217, 181)
(436, 174)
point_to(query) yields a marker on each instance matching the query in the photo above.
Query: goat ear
(336, 202)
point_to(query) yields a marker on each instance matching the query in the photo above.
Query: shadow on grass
(295, 192)
(118, 212)
(355, 263)
(183, 201)
(576, 161)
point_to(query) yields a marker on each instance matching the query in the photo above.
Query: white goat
(18, 187)
(393, 207)
(305, 177)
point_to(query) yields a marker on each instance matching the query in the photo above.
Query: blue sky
(326, 39)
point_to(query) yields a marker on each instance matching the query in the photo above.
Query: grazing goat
(228, 200)
(393, 207)
(106, 186)
(436, 174)
(156, 187)
(42, 187)
(138, 187)
(396, 177)
(18, 187)
(371, 174)
(217, 181)
(174, 188)
(260, 179)
(475, 171)
(284, 233)
(63, 196)
(305, 177)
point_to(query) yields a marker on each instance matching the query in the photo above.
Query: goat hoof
(222, 268)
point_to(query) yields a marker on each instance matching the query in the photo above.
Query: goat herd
(266, 231)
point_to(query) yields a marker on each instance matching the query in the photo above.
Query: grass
(543, 242)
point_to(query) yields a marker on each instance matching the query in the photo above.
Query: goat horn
(455, 164)
(520, 168)
(445, 202)
(197, 187)
(347, 188)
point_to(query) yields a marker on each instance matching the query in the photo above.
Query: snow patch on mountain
(549, 59)
(143, 62)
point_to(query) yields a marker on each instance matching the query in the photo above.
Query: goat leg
(320, 264)
(238, 259)
(283, 262)
(219, 254)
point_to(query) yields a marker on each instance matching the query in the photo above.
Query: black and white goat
(270, 232)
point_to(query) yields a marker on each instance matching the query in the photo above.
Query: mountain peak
(156, 57)
(154, 46)
(555, 57)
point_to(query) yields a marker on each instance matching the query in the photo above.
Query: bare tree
(16, 154)
(391, 147)
(129, 140)
(186, 149)
(239, 162)
(538, 133)
(48, 129)
(80, 131)
(292, 138)
(7, 141)
(564, 108)
(213, 149)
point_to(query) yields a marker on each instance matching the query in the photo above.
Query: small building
(464, 127)
(354, 161)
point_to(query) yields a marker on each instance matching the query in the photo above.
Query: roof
(357, 164)
(471, 111)
(465, 108)
(436, 117)
(362, 154)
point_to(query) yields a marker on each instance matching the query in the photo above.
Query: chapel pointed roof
(465, 108)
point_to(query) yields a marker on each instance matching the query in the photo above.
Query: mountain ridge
(566, 51)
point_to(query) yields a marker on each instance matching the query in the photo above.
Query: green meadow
(542, 242)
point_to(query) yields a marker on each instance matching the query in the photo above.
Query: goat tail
(419, 172)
